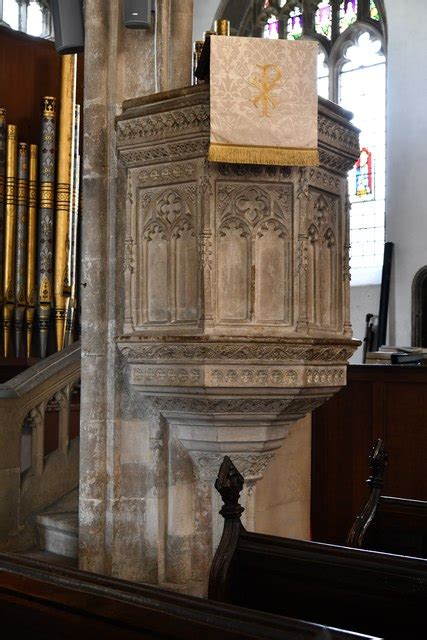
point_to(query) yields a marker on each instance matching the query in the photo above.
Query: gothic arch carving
(168, 256)
(419, 308)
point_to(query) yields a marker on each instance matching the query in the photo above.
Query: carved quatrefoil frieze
(169, 211)
(169, 207)
(254, 204)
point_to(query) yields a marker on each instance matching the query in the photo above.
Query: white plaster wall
(363, 300)
(406, 203)
(204, 13)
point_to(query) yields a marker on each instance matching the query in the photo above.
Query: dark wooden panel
(405, 439)
(363, 591)
(340, 446)
(29, 70)
(43, 601)
(379, 401)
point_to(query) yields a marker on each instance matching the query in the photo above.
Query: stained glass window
(322, 75)
(348, 14)
(356, 79)
(362, 91)
(35, 24)
(11, 13)
(295, 24)
(271, 29)
(323, 19)
(374, 13)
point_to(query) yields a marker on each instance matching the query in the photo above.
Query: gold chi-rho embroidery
(268, 78)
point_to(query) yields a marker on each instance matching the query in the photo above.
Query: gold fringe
(263, 155)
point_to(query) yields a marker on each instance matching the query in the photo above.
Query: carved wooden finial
(378, 463)
(229, 484)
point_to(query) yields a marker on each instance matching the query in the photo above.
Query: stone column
(119, 63)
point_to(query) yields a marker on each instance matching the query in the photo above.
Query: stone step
(58, 527)
(50, 558)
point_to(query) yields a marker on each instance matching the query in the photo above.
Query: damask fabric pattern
(263, 97)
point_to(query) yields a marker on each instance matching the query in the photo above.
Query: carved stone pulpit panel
(237, 295)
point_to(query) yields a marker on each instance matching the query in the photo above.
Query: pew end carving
(354, 589)
(229, 485)
(388, 523)
(378, 465)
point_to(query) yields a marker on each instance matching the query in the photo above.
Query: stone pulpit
(236, 321)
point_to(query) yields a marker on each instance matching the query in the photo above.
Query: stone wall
(284, 493)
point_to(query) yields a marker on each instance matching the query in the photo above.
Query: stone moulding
(137, 349)
(246, 365)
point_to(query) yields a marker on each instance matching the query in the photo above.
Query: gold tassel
(263, 155)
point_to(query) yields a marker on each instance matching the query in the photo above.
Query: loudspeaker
(137, 14)
(68, 25)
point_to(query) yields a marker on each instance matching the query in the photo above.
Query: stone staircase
(39, 451)
(58, 527)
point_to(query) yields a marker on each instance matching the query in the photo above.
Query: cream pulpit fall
(237, 311)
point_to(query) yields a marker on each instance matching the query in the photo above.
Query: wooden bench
(51, 602)
(364, 591)
(388, 523)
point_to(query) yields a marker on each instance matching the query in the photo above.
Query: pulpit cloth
(264, 103)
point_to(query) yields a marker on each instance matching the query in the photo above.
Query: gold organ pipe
(2, 194)
(9, 235)
(72, 231)
(31, 246)
(222, 27)
(64, 190)
(47, 166)
(21, 245)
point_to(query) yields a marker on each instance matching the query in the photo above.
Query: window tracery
(351, 71)
(29, 16)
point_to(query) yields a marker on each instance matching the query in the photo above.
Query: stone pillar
(119, 63)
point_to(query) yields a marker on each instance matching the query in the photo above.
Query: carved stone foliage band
(337, 135)
(236, 352)
(163, 124)
(167, 173)
(293, 405)
(256, 377)
(215, 377)
(330, 376)
(251, 465)
(324, 180)
(158, 376)
(167, 152)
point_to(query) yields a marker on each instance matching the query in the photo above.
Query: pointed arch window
(351, 72)
(30, 16)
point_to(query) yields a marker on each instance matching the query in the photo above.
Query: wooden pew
(388, 523)
(52, 602)
(364, 591)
